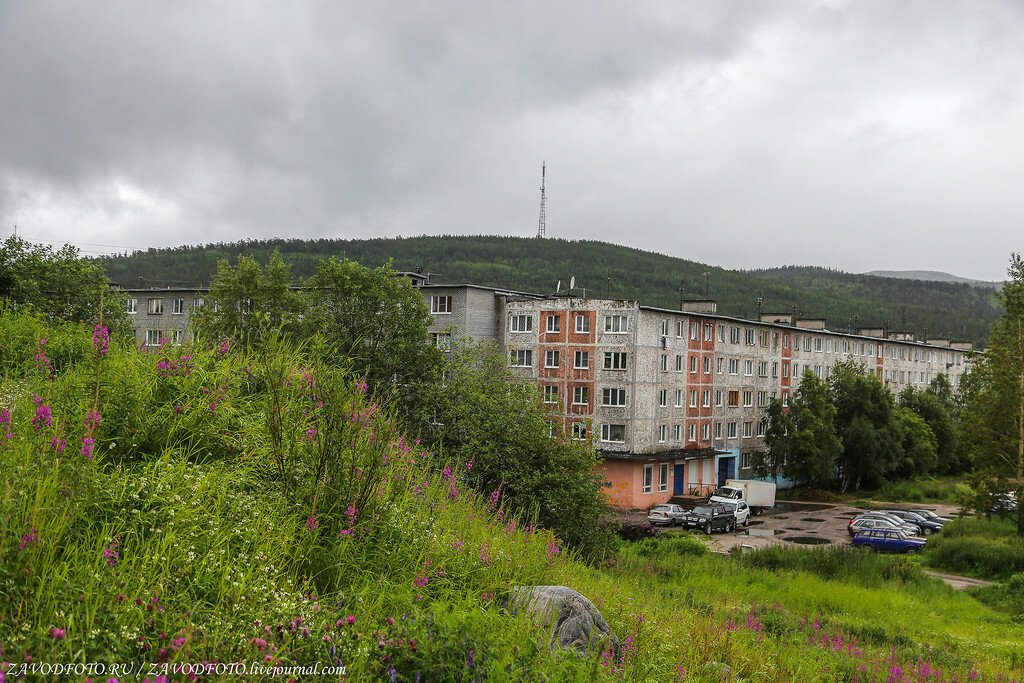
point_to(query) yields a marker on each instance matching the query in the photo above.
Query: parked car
(759, 495)
(927, 526)
(741, 510)
(889, 540)
(1002, 504)
(666, 514)
(857, 525)
(708, 518)
(895, 521)
(930, 514)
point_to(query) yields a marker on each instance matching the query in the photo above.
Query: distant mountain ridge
(845, 300)
(933, 276)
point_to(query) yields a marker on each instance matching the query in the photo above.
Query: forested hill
(606, 270)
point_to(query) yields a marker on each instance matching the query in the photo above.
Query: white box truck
(760, 495)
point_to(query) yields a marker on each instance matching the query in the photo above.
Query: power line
(87, 244)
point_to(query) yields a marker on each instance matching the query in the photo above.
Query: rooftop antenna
(541, 222)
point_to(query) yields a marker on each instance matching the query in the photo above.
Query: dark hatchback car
(927, 525)
(888, 540)
(710, 518)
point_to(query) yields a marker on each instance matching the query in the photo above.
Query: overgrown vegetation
(979, 547)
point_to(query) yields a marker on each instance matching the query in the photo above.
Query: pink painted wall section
(627, 484)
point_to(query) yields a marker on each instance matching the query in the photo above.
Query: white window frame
(582, 324)
(131, 306)
(614, 360)
(554, 323)
(616, 324)
(440, 304)
(155, 306)
(606, 433)
(580, 396)
(662, 433)
(579, 431)
(663, 474)
(522, 358)
(521, 323)
(613, 397)
(152, 337)
(551, 393)
(551, 358)
(177, 306)
(648, 482)
(581, 356)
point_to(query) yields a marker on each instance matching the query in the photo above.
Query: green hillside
(845, 300)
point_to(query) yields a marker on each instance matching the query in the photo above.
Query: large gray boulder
(570, 618)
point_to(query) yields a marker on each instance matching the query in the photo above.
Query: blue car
(888, 540)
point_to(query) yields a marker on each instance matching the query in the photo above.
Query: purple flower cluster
(28, 539)
(100, 339)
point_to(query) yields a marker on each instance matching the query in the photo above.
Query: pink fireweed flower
(43, 418)
(224, 347)
(28, 539)
(100, 339)
(92, 420)
(311, 523)
(421, 581)
(88, 445)
(111, 554)
(492, 501)
(5, 420)
(58, 445)
(361, 386)
(553, 550)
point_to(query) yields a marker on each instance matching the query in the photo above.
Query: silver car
(741, 510)
(666, 514)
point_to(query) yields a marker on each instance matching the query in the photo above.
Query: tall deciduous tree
(803, 439)
(866, 422)
(993, 419)
(481, 414)
(59, 285)
(247, 301)
(934, 405)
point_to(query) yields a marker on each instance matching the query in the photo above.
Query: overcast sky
(859, 135)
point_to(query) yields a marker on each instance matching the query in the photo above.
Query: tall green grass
(979, 547)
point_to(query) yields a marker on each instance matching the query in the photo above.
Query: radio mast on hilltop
(541, 222)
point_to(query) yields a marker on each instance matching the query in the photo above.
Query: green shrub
(838, 563)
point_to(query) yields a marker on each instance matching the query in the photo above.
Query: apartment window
(522, 323)
(785, 370)
(903, 376)
(131, 305)
(615, 433)
(551, 359)
(552, 430)
(550, 393)
(734, 366)
(614, 360)
(709, 332)
(718, 398)
(579, 431)
(680, 328)
(775, 369)
(152, 337)
(694, 331)
(648, 478)
(785, 340)
(582, 324)
(679, 398)
(663, 398)
(705, 431)
(718, 430)
(707, 365)
(719, 365)
(747, 429)
(762, 338)
(762, 398)
(785, 399)
(796, 371)
(664, 362)
(817, 371)
(677, 433)
(691, 432)
(616, 324)
(748, 337)
(581, 396)
(721, 333)
(807, 343)
(613, 397)
(176, 337)
(679, 363)
(694, 364)
(734, 399)
(177, 306)
(662, 433)
(817, 343)
(693, 398)
(581, 359)
(760, 429)
(734, 335)
(156, 306)
(707, 398)
(440, 304)
(442, 340)
(197, 304)
(748, 399)
(762, 368)
(554, 323)
(748, 368)
(522, 358)
(664, 327)
(745, 461)
(663, 477)
(730, 430)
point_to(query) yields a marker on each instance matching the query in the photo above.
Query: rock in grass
(570, 618)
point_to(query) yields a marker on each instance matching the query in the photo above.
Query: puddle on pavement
(807, 540)
(795, 528)
(802, 507)
(811, 519)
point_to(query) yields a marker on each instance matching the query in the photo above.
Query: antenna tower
(541, 222)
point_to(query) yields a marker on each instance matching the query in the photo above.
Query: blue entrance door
(679, 487)
(726, 469)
